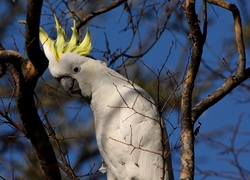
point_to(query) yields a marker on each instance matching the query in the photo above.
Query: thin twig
(98, 12)
(187, 136)
(241, 74)
(238, 34)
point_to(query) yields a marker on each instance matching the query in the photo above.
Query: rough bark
(187, 136)
(25, 74)
(191, 114)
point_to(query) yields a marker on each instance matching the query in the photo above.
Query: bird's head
(66, 57)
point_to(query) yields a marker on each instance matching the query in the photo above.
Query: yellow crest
(61, 45)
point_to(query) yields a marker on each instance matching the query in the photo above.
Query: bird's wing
(128, 129)
(140, 127)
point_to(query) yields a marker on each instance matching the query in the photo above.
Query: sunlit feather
(60, 45)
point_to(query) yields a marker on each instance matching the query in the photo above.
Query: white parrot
(130, 134)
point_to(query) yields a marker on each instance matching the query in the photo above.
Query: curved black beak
(70, 85)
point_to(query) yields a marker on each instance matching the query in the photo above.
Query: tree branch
(218, 94)
(25, 91)
(33, 126)
(25, 74)
(241, 74)
(187, 136)
(238, 34)
(98, 12)
(36, 56)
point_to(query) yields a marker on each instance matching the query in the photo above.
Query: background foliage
(149, 42)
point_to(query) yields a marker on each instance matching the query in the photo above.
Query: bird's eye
(76, 69)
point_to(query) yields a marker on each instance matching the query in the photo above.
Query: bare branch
(25, 74)
(136, 147)
(241, 75)
(98, 12)
(2, 65)
(240, 172)
(238, 34)
(25, 101)
(29, 116)
(36, 56)
(218, 94)
(187, 136)
(13, 57)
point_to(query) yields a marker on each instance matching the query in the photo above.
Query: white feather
(128, 126)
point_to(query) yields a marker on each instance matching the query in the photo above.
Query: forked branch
(187, 136)
(98, 12)
(241, 73)
(36, 56)
(189, 114)
(25, 74)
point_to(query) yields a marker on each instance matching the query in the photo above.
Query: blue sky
(222, 117)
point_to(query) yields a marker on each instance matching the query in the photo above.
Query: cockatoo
(130, 134)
